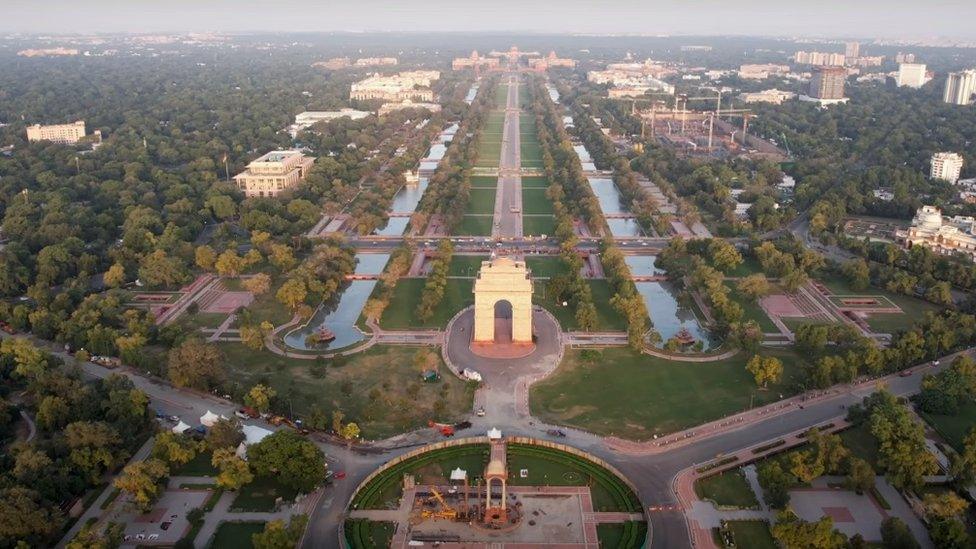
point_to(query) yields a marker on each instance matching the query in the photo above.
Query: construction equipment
(446, 510)
(444, 428)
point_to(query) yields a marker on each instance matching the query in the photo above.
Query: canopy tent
(181, 428)
(494, 434)
(252, 435)
(459, 474)
(208, 419)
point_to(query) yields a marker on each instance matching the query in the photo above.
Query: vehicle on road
(480, 412)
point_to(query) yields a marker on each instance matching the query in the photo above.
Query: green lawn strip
(535, 201)
(199, 466)
(259, 495)
(465, 265)
(475, 225)
(483, 182)
(384, 491)
(954, 428)
(752, 534)
(538, 225)
(728, 489)
(501, 96)
(482, 201)
(202, 320)
(546, 266)
(534, 182)
(236, 535)
(367, 534)
(750, 265)
(636, 396)
(380, 388)
(912, 307)
(401, 314)
(610, 535)
(752, 311)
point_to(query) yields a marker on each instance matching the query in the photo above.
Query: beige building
(852, 50)
(551, 61)
(475, 61)
(412, 85)
(942, 235)
(760, 72)
(960, 87)
(334, 64)
(376, 62)
(912, 75)
(65, 134)
(307, 119)
(273, 173)
(819, 58)
(503, 299)
(387, 108)
(946, 166)
(48, 52)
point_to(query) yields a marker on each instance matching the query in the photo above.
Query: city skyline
(873, 19)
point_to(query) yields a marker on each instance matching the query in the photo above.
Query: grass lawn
(633, 395)
(912, 307)
(202, 320)
(534, 182)
(750, 265)
(728, 489)
(482, 201)
(753, 534)
(501, 96)
(236, 535)
(752, 311)
(368, 534)
(546, 266)
(481, 181)
(380, 389)
(607, 318)
(199, 466)
(401, 313)
(862, 444)
(531, 152)
(260, 494)
(954, 428)
(475, 225)
(535, 201)
(537, 225)
(465, 265)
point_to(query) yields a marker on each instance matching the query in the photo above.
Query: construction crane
(445, 512)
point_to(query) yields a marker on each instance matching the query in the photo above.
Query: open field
(538, 225)
(727, 489)
(535, 201)
(475, 225)
(482, 201)
(367, 534)
(530, 149)
(632, 395)
(236, 535)
(401, 313)
(465, 265)
(752, 311)
(483, 182)
(954, 428)
(913, 308)
(534, 182)
(861, 443)
(754, 534)
(260, 494)
(546, 266)
(380, 389)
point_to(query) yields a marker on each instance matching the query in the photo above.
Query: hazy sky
(858, 18)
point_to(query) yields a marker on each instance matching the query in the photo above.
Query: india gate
(503, 303)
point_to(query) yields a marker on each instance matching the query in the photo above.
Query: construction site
(702, 131)
(520, 495)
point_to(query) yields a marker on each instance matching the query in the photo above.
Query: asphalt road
(507, 222)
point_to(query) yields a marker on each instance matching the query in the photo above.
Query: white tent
(252, 435)
(181, 428)
(459, 474)
(494, 434)
(210, 418)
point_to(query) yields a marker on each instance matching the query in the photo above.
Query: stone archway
(503, 281)
(503, 321)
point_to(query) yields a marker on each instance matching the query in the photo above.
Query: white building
(307, 119)
(775, 97)
(65, 134)
(414, 85)
(942, 235)
(946, 166)
(273, 173)
(960, 87)
(819, 58)
(387, 108)
(761, 72)
(912, 75)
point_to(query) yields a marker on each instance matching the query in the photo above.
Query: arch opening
(503, 321)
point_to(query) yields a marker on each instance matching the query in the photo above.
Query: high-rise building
(819, 58)
(960, 87)
(946, 166)
(905, 57)
(65, 134)
(852, 50)
(912, 75)
(828, 82)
